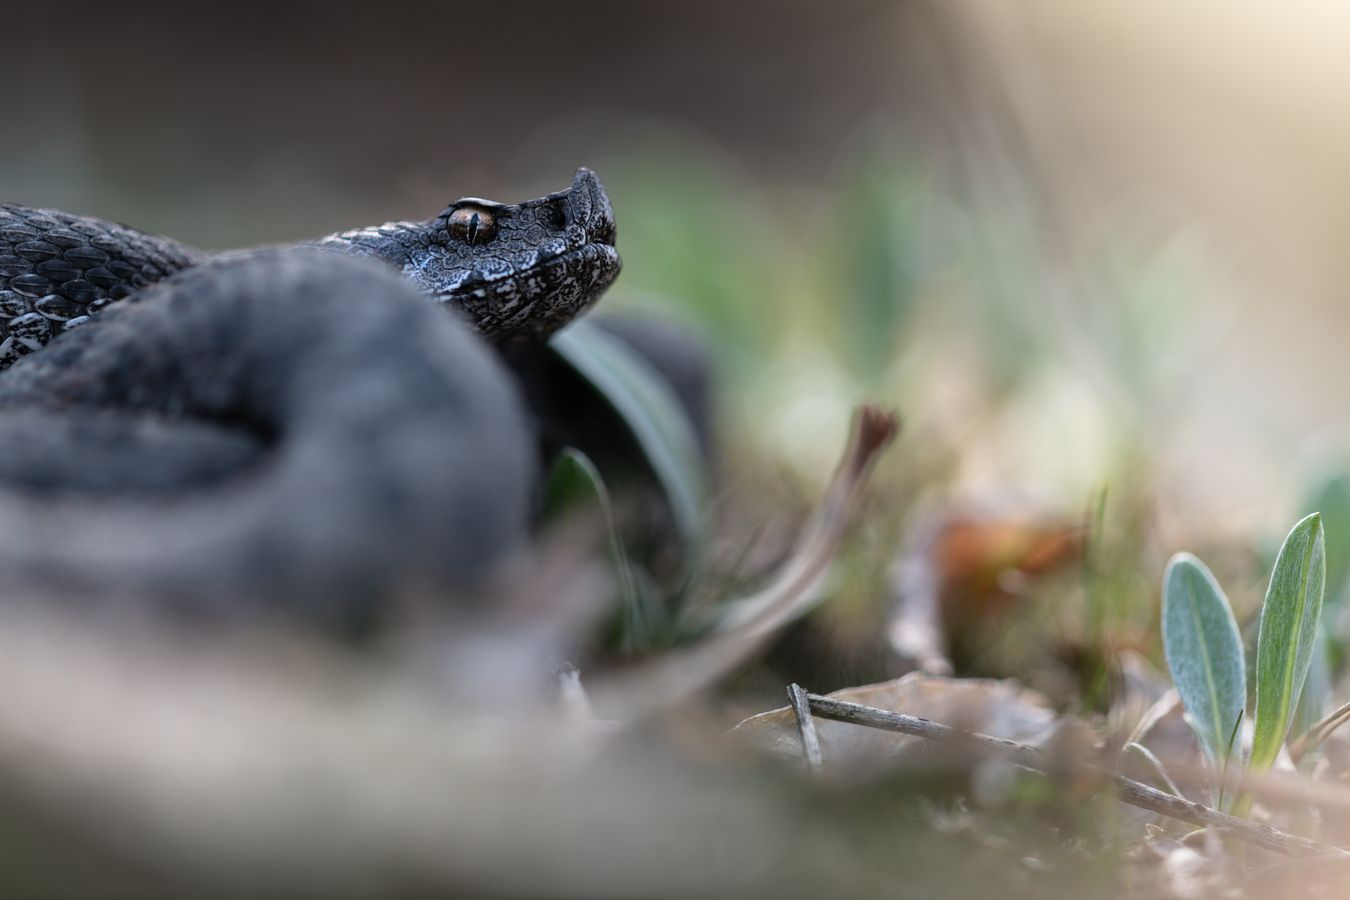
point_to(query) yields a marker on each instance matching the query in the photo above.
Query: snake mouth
(549, 260)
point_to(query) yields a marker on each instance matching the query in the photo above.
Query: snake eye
(472, 225)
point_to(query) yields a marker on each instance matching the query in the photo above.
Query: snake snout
(588, 206)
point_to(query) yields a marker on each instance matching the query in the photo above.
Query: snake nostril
(554, 216)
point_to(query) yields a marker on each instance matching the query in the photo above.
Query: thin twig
(1284, 788)
(1127, 789)
(1319, 732)
(806, 725)
(1152, 761)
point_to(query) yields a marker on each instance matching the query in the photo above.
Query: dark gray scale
(57, 268)
(517, 272)
(378, 441)
(278, 429)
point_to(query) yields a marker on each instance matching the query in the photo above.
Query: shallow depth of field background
(1087, 249)
(1095, 254)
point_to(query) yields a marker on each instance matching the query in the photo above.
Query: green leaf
(651, 412)
(1288, 633)
(1204, 652)
(574, 483)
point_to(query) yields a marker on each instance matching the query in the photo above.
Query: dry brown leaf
(963, 567)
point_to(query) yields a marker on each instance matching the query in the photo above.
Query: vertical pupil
(472, 226)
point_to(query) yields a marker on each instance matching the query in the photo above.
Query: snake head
(517, 273)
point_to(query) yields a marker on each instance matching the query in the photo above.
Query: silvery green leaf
(1284, 647)
(1204, 652)
(650, 411)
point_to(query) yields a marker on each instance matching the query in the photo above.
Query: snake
(300, 430)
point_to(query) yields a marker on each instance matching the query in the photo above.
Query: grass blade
(650, 410)
(1204, 653)
(574, 486)
(1288, 632)
(1152, 767)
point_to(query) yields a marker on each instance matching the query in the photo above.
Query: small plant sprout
(1205, 655)
(1284, 647)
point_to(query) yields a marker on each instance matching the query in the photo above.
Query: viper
(303, 428)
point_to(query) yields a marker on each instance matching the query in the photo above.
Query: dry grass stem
(668, 679)
(1126, 789)
(801, 708)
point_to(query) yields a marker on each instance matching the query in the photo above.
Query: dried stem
(667, 679)
(1319, 732)
(1126, 789)
(806, 725)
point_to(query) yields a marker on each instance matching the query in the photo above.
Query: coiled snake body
(290, 427)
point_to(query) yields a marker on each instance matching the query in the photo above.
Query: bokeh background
(1092, 252)
(1086, 249)
(1129, 218)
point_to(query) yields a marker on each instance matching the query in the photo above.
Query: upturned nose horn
(589, 202)
(587, 195)
(580, 197)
